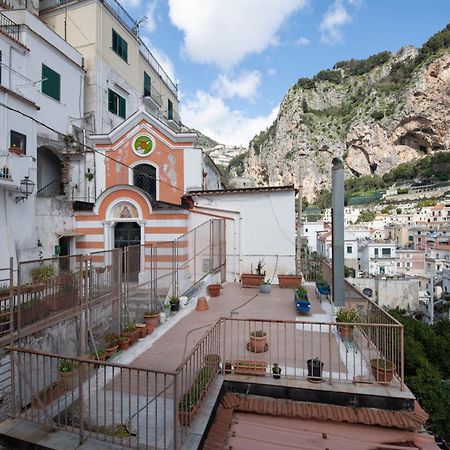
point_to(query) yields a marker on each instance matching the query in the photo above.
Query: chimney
(337, 204)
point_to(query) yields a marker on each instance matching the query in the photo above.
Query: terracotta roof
(405, 420)
(240, 190)
(441, 246)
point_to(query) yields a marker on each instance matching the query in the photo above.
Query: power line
(92, 149)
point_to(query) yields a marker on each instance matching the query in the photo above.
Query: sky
(234, 60)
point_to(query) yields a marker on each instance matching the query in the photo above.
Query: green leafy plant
(174, 300)
(123, 339)
(301, 292)
(192, 396)
(152, 313)
(258, 333)
(43, 273)
(348, 315)
(130, 327)
(66, 365)
(316, 362)
(111, 340)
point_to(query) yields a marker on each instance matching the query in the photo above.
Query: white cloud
(333, 21)
(213, 117)
(150, 22)
(223, 33)
(272, 72)
(245, 86)
(162, 58)
(302, 41)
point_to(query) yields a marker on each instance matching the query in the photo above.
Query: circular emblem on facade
(143, 145)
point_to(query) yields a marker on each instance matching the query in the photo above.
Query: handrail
(51, 189)
(10, 28)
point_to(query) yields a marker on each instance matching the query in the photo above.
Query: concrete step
(19, 434)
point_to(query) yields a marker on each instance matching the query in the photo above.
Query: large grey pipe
(337, 203)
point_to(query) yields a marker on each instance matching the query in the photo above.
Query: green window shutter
(169, 109)
(147, 85)
(112, 102)
(122, 107)
(120, 45)
(51, 82)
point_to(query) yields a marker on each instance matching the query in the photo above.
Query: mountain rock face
(375, 114)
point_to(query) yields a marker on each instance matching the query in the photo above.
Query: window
(147, 85)
(349, 249)
(18, 140)
(399, 264)
(51, 82)
(116, 104)
(386, 251)
(408, 264)
(144, 177)
(376, 252)
(169, 109)
(120, 46)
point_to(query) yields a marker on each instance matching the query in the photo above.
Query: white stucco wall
(310, 230)
(192, 169)
(263, 229)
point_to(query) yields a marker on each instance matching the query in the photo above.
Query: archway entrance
(128, 234)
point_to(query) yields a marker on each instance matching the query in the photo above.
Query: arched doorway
(128, 234)
(144, 177)
(49, 180)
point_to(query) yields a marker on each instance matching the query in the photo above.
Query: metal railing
(156, 96)
(5, 172)
(52, 189)
(10, 28)
(126, 405)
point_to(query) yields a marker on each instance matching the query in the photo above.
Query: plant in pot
(301, 293)
(289, 280)
(212, 360)
(131, 332)
(124, 342)
(254, 279)
(227, 366)
(174, 303)
(315, 368)
(276, 370)
(347, 315)
(258, 341)
(142, 329)
(265, 287)
(99, 356)
(214, 290)
(68, 373)
(111, 344)
(382, 369)
(151, 317)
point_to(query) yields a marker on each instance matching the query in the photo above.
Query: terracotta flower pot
(111, 350)
(141, 328)
(251, 280)
(152, 319)
(150, 329)
(289, 281)
(202, 304)
(258, 344)
(214, 290)
(382, 369)
(124, 345)
(346, 331)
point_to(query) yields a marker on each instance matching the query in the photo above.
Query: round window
(143, 145)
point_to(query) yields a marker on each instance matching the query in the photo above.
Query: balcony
(154, 100)
(5, 172)
(10, 28)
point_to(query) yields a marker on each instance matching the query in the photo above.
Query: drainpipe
(337, 199)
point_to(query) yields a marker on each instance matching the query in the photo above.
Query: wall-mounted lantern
(26, 189)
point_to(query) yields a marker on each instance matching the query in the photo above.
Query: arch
(49, 172)
(119, 203)
(144, 175)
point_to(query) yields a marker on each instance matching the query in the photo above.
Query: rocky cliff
(374, 113)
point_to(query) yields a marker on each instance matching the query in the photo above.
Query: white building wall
(263, 229)
(310, 230)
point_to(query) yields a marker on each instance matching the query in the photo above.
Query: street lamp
(26, 188)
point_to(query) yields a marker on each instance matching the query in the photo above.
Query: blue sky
(235, 59)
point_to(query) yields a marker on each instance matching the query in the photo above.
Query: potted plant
(254, 279)
(174, 303)
(249, 367)
(124, 342)
(289, 281)
(227, 366)
(347, 315)
(382, 369)
(315, 368)
(212, 360)
(258, 341)
(151, 317)
(68, 373)
(111, 344)
(142, 330)
(301, 293)
(99, 356)
(43, 273)
(131, 332)
(276, 370)
(214, 290)
(265, 287)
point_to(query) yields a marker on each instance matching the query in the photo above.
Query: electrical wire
(88, 147)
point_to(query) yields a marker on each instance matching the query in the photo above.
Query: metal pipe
(337, 197)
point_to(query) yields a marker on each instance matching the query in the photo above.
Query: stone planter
(265, 288)
(250, 280)
(250, 367)
(214, 290)
(382, 369)
(289, 281)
